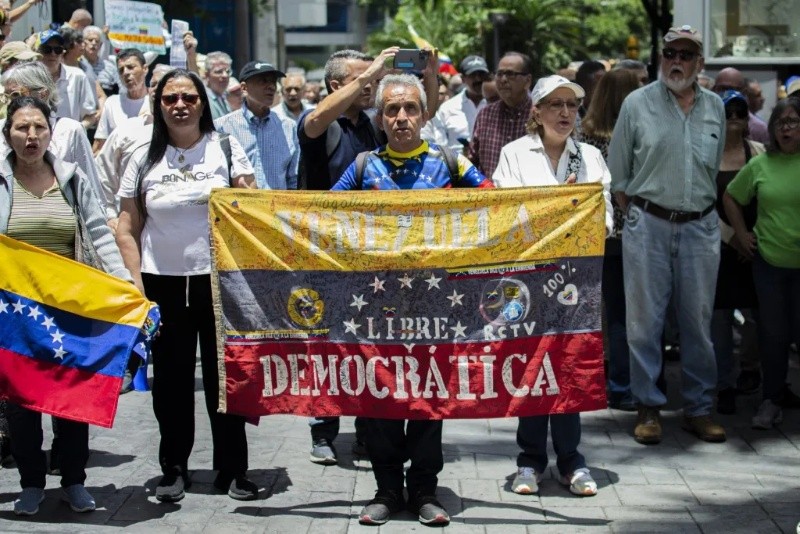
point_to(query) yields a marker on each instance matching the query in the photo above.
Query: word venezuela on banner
(449, 303)
(66, 333)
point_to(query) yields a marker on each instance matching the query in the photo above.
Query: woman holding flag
(50, 204)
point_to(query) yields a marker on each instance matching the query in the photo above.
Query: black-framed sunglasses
(735, 112)
(172, 98)
(57, 50)
(672, 53)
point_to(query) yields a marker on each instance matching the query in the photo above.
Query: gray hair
(217, 57)
(406, 80)
(160, 69)
(630, 64)
(34, 77)
(92, 29)
(336, 66)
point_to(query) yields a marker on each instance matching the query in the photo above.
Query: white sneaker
(580, 482)
(768, 414)
(526, 482)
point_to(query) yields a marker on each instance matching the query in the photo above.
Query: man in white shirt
(132, 69)
(75, 95)
(452, 125)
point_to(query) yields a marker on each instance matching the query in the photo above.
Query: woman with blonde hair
(597, 128)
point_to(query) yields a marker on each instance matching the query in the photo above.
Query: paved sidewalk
(749, 484)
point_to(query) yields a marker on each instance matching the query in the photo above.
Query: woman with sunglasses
(548, 156)
(735, 288)
(49, 203)
(163, 234)
(771, 179)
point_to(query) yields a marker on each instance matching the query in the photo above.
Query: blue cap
(730, 95)
(792, 85)
(48, 35)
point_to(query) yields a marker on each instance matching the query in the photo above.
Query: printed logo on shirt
(186, 176)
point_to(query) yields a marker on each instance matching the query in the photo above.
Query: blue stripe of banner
(48, 334)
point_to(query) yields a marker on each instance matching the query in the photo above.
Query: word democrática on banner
(410, 306)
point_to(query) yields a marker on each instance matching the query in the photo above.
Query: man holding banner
(407, 162)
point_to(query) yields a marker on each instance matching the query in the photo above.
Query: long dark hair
(790, 102)
(606, 102)
(24, 102)
(160, 139)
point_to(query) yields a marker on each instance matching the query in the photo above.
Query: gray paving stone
(659, 495)
(733, 518)
(639, 519)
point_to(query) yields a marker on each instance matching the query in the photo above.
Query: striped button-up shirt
(270, 143)
(495, 126)
(664, 155)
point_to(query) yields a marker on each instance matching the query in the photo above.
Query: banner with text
(135, 25)
(457, 303)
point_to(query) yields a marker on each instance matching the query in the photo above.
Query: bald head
(80, 19)
(729, 78)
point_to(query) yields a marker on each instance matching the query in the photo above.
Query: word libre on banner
(67, 331)
(411, 304)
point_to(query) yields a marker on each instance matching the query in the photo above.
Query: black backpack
(450, 158)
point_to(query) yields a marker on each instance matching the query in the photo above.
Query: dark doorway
(62, 9)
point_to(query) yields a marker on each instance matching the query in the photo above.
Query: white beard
(680, 85)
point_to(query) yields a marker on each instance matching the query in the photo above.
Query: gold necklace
(181, 153)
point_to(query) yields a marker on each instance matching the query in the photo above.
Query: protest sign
(135, 25)
(177, 53)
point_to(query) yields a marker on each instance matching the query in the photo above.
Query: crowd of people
(110, 160)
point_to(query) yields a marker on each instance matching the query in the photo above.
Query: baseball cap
(17, 50)
(731, 96)
(472, 64)
(792, 85)
(258, 67)
(548, 84)
(47, 36)
(684, 32)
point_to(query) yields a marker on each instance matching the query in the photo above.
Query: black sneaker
(726, 401)
(378, 510)
(359, 448)
(748, 382)
(171, 487)
(431, 511)
(788, 398)
(242, 489)
(323, 452)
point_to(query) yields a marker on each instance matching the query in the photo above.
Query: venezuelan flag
(66, 333)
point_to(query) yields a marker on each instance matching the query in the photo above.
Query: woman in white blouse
(549, 156)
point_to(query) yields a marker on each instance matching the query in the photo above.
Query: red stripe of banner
(59, 390)
(533, 376)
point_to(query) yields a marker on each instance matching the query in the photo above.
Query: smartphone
(411, 59)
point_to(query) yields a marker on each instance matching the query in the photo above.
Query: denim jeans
(778, 291)
(565, 429)
(664, 260)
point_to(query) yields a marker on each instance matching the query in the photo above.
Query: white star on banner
(433, 282)
(19, 307)
(3, 307)
(60, 352)
(455, 298)
(57, 337)
(48, 322)
(351, 326)
(359, 302)
(377, 285)
(459, 330)
(33, 311)
(405, 281)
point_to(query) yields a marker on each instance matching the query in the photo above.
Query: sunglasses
(172, 98)
(672, 53)
(57, 50)
(736, 113)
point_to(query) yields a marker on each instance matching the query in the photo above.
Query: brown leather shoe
(648, 426)
(704, 428)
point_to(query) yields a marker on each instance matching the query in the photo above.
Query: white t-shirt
(174, 239)
(117, 109)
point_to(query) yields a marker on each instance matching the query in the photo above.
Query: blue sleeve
(470, 176)
(347, 182)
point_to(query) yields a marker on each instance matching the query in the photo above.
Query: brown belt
(670, 215)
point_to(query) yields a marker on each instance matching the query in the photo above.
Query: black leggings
(185, 314)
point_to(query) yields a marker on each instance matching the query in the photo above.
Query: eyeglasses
(172, 98)
(736, 113)
(57, 50)
(509, 74)
(789, 124)
(557, 105)
(672, 53)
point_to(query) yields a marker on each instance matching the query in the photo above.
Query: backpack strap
(225, 145)
(361, 163)
(451, 158)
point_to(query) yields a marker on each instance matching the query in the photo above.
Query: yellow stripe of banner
(137, 38)
(451, 228)
(68, 285)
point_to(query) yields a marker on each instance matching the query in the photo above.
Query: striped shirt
(46, 222)
(270, 143)
(495, 126)
(661, 154)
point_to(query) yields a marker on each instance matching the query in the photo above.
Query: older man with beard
(664, 156)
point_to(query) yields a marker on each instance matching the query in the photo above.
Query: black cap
(472, 64)
(258, 67)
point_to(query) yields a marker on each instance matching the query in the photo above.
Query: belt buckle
(674, 215)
